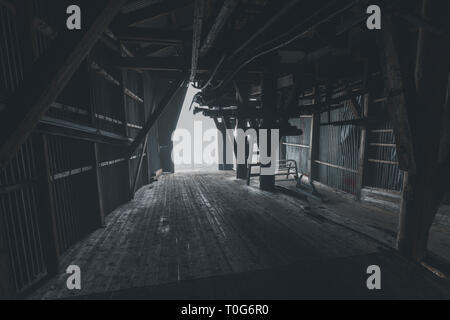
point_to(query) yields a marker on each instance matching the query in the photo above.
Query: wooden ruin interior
(86, 118)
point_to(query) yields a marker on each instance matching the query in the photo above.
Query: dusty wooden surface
(187, 227)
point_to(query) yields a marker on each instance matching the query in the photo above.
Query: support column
(123, 83)
(241, 124)
(362, 150)
(268, 104)
(100, 219)
(314, 141)
(101, 205)
(222, 148)
(419, 101)
(241, 169)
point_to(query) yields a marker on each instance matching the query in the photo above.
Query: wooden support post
(293, 97)
(138, 170)
(241, 168)
(231, 125)
(268, 104)
(241, 124)
(221, 144)
(48, 77)
(95, 145)
(124, 109)
(98, 177)
(222, 141)
(314, 147)
(428, 177)
(314, 142)
(362, 150)
(400, 94)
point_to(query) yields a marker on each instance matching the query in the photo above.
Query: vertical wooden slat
(362, 150)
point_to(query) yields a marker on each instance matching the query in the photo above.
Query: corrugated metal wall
(337, 165)
(136, 114)
(19, 207)
(298, 147)
(72, 175)
(382, 163)
(18, 188)
(82, 177)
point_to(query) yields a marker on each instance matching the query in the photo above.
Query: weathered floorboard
(193, 226)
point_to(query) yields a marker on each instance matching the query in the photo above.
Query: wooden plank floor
(201, 225)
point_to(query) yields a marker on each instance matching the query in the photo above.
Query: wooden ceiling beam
(151, 12)
(47, 78)
(134, 34)
(199, 13)
(225, 12)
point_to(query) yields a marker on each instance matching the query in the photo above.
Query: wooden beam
(199, 12)
(178, 83)
(159, 50)
(101, 204)
(425, 188)
(72, 130)
(139, 167)
(168, 64)
(160, 36)
(225, 12)
(125, 115)
(396, 84)
(151, 12)
(47, 79)
(362, 150)
(314, 141)
(241, 123)
(268, 106)
(271, 15)
(150, 63)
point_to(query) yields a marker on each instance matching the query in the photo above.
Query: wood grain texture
(193, 226)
